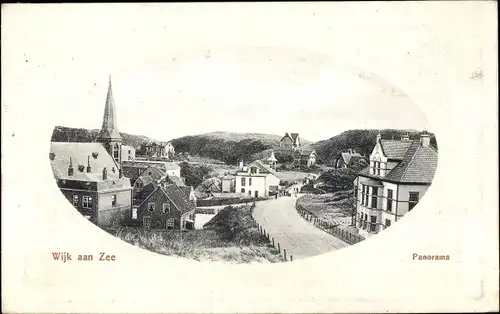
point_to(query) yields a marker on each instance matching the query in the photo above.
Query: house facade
(167, 207)
(89, 175)
(228, 184)
(291, 141)
(304, 158)
(154, 149)
(257, 180)
(128, 152)
(399, 175)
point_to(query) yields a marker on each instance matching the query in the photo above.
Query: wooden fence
(329, 227)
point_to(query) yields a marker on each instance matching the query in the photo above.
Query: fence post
(273, 241)
(279, 249)
(291, 258)
(284, 253)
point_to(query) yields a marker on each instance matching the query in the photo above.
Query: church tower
(109, 135)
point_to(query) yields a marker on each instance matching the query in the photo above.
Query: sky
(172, 77)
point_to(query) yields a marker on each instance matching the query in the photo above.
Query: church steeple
(109, 135)
(109, 128)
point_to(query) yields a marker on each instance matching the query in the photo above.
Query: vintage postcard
(250, 157)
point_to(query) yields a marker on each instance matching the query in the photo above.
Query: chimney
(89, 169)
(405, 136)
(425, 139)
(70, 167)
(241, 164)
(104, 174)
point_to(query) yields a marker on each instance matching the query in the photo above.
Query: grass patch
(231, 236)
(330, 207)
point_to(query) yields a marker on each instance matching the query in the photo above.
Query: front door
(256, 194)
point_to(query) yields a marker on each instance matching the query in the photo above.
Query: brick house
(167, 207)
(399, 175)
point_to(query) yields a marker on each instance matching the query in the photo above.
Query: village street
(299, 237)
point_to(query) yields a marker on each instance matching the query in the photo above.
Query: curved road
(299, 237)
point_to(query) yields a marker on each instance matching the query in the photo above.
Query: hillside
(226, 146)
(362, 141)
(67, 134)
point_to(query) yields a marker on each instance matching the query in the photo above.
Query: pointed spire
(70, 167)
(109, 128)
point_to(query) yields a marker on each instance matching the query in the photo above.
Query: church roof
(109, 128)
(82, 154)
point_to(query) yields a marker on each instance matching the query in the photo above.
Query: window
(151, 207)
(243, 181)
(378, 168)
(75, 200)
(413, 200)
(146, 222)
(113, 200)
(362, 195)
(374, 197)
(242, 190)
(166, 207)
(373, 223)
(116, 153)
(249, 181)
(389, 200)
(170, 223)
(129, 151)
(387, 223)
(87, 202)
(256, 194)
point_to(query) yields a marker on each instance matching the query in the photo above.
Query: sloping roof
(166, 165)
(210, 185)
(176, 180)
(395, 149)
(178, 198)
(186, 190)
(145, 180)
(80, 154)
(418, 165)
(346, 156)
(292, 136)
(371, 182)
(109, 128)
(306, 152)
(264, 167)
(154, 172)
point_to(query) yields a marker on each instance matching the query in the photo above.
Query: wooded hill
(230, 147)
(67, 134)
(362, 141)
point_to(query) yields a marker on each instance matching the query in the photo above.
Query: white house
(128, 152)
(399, 174)
(257, 180)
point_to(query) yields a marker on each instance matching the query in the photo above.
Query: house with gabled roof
(305, 158)
(257, 180)
(398, 176)
(167, 207)
(291, 141)
(347, 159)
